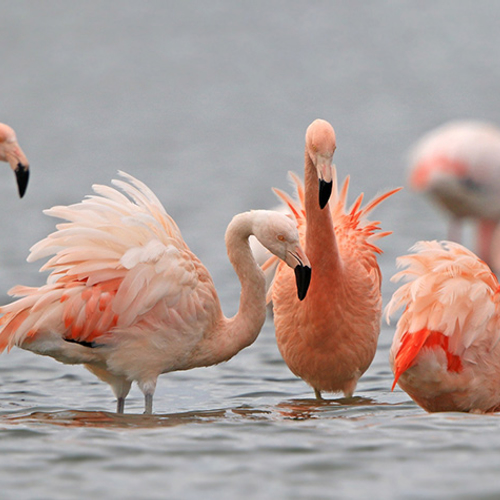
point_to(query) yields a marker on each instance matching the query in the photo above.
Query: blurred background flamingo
(130, 301)
(330, 338)
(11, 152)
(446, 350)
(458, 166)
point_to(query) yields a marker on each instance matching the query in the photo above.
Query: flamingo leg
(318, 395)
(120, 405)
(455, 230)
(486, 229)
(148, 403)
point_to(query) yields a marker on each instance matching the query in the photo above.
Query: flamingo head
(278, 233)
(320, 146)
(14, 155)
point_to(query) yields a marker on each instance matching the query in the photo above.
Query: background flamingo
(129, 300)
(11, 152)
(458, 166)
(446, 350)
(330, 338)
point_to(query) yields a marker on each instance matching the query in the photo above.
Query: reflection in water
(302, 409)
(75, 418)
(297, 409)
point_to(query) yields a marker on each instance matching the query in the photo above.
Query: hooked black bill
(22, 176)
(325, 190)
(302, 280)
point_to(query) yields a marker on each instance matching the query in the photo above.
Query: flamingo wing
(118, 261)
(449, 303)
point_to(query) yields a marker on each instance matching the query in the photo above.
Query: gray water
(208, 102)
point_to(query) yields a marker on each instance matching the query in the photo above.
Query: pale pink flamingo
(11, 152)
(458, 166)
(329, 339)
(446, 350)
(129, 300)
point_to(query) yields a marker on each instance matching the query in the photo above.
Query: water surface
(208, 104)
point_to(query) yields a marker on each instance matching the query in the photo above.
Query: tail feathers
(12, 322)
(413, 343)
(23, 318)
(73, 310)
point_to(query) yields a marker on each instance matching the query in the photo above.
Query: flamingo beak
(324, 168)
(302, 280)
(302, 271)
(325, 190)
(20, 165)
(22, 176)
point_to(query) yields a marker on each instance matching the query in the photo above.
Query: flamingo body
(128, 299)
(11, 152)
(458, 166)
(446, 351)
(330, 338)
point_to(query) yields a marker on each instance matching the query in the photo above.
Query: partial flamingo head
(320, 146)
(14, 155)
(278, 233)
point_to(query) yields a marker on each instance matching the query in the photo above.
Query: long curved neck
(321, 243)
(242, 329)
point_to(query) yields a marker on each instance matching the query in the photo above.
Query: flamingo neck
(321, 243)
(242, 329)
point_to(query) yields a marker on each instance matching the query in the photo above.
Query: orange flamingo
(129, 300)
(446, 350)
(458, 166)
(11, 152)
(330, 338)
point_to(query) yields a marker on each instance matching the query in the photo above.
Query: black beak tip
(302, 279)
(22, 177)
(325, 191)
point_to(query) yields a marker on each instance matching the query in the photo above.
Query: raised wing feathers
(119, 260)
(355, 233)
(450, 292)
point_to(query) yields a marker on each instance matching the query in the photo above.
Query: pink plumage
(446, 351)
(330, 338)
(458, 166)
(129, 300)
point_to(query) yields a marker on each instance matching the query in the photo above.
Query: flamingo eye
(281, 237)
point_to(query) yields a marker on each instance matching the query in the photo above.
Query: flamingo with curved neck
(128, 299)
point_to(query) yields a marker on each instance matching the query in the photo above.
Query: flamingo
(329, 339)
(128, 299)
(11, 152)
(458, 166)
(446, 350)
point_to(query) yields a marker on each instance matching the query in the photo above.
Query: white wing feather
(112, 239)
(448, 290)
